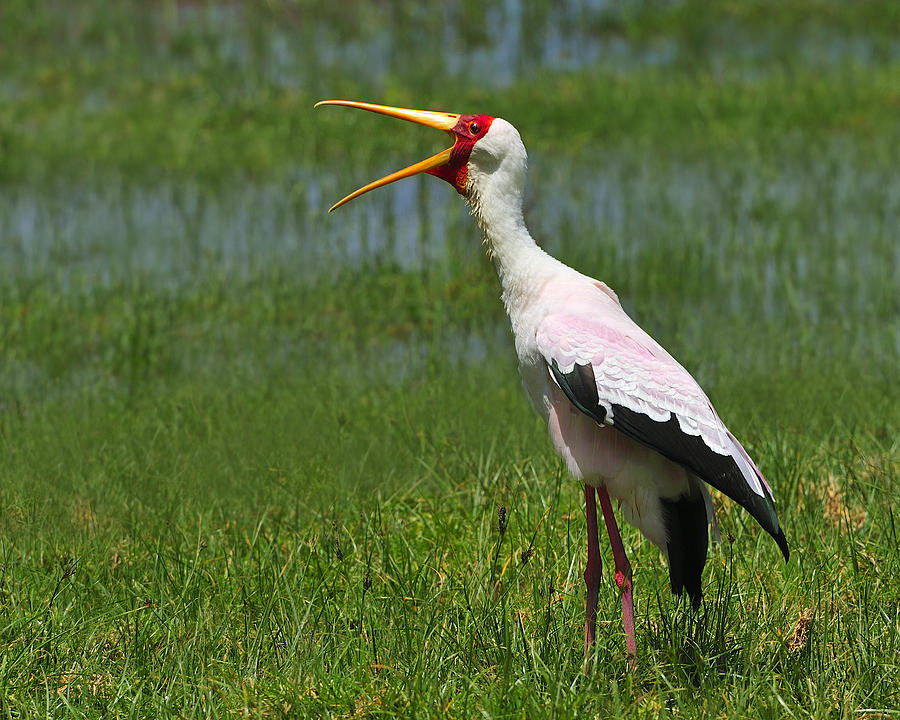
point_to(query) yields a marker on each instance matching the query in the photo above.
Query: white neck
(495, 183)
(496, 203)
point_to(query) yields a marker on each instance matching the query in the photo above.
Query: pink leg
(623, 569)
(592, 571)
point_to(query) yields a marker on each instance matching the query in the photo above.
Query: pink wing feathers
(635, 373)
(615, 372)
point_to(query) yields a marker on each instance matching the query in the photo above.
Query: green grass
(216, 547)
(274, 488)
(196, 538)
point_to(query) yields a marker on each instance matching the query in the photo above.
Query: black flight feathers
(667, 438)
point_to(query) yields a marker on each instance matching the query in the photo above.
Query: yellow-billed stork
(627, 418)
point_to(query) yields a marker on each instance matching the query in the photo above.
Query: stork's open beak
(438, 120)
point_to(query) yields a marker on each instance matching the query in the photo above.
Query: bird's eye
(474, 127)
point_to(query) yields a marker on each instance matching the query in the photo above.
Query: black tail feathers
(687, 542)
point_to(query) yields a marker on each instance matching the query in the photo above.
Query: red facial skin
(468, 130)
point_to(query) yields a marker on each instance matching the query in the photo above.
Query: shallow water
(800, 252)
(824, 223)
(782, 256)
(820, 218)
(496, 45)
